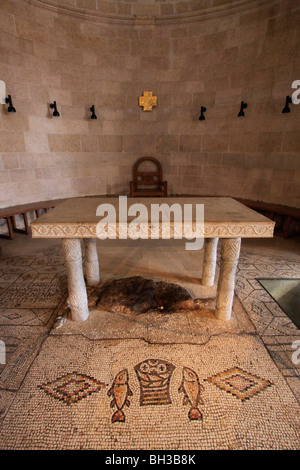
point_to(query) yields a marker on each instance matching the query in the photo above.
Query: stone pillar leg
(210, 261)
(76, 285)
(91, 262)
(229, 260)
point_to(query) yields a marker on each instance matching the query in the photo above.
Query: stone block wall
(211, 53)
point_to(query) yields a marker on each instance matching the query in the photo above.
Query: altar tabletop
(224, 217)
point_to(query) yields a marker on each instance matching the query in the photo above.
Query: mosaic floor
(149, 381)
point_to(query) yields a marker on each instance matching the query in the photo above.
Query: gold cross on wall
(147, 101)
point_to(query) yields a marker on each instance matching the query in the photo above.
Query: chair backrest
(144, 177)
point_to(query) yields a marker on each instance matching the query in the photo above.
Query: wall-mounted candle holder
(202, 117)
(286, 108)
(243, 106)
(92, 109)
(10, 108)
(54, 107)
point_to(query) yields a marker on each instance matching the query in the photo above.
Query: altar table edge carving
(230, 232)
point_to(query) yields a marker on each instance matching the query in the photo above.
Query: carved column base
(76, 285)
(91, 262)
(229, 260)
(209, 261)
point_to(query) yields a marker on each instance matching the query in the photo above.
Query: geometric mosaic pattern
(72, 387)
(25, 316)
(31, 289)
(39, 295)
(264, 312)
(239, 383)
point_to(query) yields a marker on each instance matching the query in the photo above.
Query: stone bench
(10, 213)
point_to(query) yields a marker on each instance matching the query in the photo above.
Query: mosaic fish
(120, 391)
(191, 388)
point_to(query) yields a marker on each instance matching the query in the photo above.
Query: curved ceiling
(147, 11)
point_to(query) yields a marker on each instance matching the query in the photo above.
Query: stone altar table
(224, 218)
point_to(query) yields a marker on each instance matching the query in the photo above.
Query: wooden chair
(148, 183)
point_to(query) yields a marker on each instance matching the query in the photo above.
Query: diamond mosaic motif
(71, 388)
(11, 315)
(239, 383)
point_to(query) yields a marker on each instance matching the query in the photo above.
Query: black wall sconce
(202, 117)
(243, 106)
(10, 108)
(286, 108)
(53, 106)
(92, 109)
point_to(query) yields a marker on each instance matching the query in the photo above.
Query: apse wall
(189, 54)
